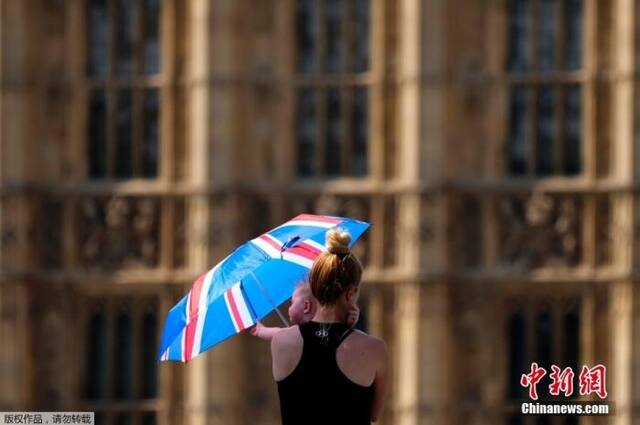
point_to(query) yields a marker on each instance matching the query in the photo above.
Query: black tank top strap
(345, 335)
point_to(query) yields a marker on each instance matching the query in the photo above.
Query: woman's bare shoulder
(286, 337)
(371, 342)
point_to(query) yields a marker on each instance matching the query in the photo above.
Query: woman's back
(326, 374)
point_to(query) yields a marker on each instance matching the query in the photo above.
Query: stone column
(403, 391)
(16, 47)
(635, 355)
(621, 293)
(620, 342)
(214, 380)
(197, 389)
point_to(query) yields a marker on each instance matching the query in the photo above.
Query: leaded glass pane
(572, 339)
(517, 419)
(546, 129)
(123, 385)
(150, 134)
(573, 130)
(571, 420)
(149, 345)
(573, 33)
(124, 151)
(334, 12)
(517, 58)
(122, 419)
(97, 135)
(149, 419)
(361, 36)
(306, 36)
(334, 133)
(517, 354)
(360, 131)
(306, 131)
(517, 142)
(543, 420)
(151, 39)
(100, 418)
(96, 371)
(546, 31)
(98, 30)
(544, 338)
(126, 21)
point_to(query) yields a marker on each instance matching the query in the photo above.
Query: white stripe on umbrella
(286, 255)
(297, 259)
(237, 308)
(182, 341)
(243, 309)
(313, 223)
(315, 244)
(202, 310)
(266, 247)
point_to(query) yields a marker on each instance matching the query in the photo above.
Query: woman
(326, 372)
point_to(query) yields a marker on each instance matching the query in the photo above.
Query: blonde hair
(335, 270)
(303, 289)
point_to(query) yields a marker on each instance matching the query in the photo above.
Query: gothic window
(545, 331)
(129, 71)
(120, 365)
(123, 79)
(332, 79)
(544, 60)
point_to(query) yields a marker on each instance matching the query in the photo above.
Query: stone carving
(49, 233)
(119, 232)
(180, 258)
(604, 231)
(539, 230)
(466, 230)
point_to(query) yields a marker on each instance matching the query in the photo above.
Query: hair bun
(338, 241)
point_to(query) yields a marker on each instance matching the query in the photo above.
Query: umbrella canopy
(248, 284)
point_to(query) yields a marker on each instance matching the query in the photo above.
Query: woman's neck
(330, 313)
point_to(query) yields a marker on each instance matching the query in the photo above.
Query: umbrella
(248, 284)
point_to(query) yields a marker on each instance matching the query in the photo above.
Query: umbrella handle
(284, 320)
(266, 295)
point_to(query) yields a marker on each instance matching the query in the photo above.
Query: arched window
(332, 81)
(121, 368)
(546, 331)
(544, 68)
(123, 81)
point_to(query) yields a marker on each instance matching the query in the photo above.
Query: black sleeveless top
(317, 392)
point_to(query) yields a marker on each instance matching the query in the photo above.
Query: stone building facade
(493, 143)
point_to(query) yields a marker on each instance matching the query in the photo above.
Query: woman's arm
(380, 382)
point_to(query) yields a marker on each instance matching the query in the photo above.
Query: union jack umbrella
(248, 284)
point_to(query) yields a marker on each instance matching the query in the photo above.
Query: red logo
(591, 380)
(531, 380)
(562, 381)
(594, 380)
